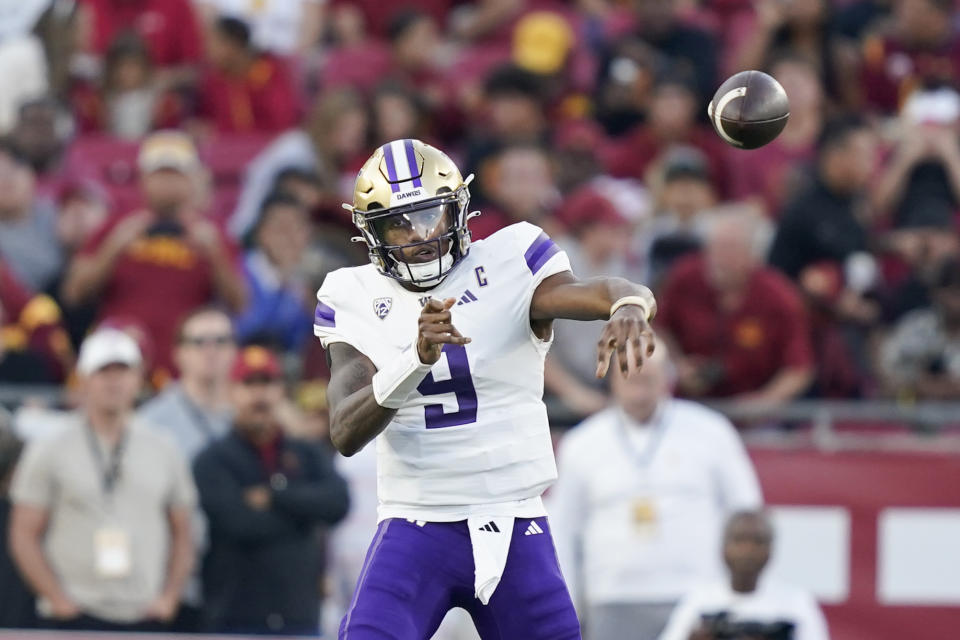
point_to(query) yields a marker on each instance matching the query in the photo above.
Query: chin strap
(430, 273)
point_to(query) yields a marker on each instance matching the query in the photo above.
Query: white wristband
(638, 301)
(394, 384)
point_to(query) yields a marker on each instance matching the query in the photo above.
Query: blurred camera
(165, 227)
(721, 627)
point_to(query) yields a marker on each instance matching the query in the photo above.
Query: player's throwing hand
(629, 335)
(436, 329)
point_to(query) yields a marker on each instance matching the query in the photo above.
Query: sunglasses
(200, 341)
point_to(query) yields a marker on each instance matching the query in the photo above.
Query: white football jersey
(474, 434)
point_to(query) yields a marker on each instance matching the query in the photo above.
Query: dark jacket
(16, 602)
(262, 571)
(817, 224)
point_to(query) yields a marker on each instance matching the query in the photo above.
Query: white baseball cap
(168, 150)
(107, 346)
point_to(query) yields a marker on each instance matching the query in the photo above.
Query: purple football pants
(413, 575)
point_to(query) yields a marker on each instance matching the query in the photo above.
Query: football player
(436, 350)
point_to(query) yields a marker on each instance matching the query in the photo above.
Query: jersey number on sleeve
(460, 383)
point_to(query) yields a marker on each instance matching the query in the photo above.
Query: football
(749, 110)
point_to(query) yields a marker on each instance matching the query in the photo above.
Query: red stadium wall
(867, 485)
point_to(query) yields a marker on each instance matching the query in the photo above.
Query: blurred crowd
(173, 170)
(162, 155)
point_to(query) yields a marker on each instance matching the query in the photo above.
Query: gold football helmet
(410, 203)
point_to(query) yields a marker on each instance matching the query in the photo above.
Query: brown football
(749, 110)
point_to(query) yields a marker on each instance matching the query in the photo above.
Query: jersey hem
(528, 508)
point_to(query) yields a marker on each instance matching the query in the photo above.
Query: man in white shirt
(644, 488)
(744, 606)
(100, 527)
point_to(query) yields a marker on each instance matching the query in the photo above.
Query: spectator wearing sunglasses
(194, 410)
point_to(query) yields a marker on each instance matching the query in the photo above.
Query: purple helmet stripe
(540, 250)
(391, 167)
(412, 162)
(325, 316)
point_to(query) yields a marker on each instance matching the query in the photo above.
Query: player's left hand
(628, 334)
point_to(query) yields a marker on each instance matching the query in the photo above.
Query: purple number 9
(460, 383)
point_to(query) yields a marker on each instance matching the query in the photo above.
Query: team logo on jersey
(382, 306)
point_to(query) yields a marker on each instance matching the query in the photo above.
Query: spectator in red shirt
(170, 28)
(158, 263)
(922, 50)
(740, 328)
(31, 335)
(245, 90)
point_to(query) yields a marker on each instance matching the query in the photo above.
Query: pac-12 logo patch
(382, 306)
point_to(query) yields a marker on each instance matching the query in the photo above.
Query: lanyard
(109, 469)
(645, 457)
